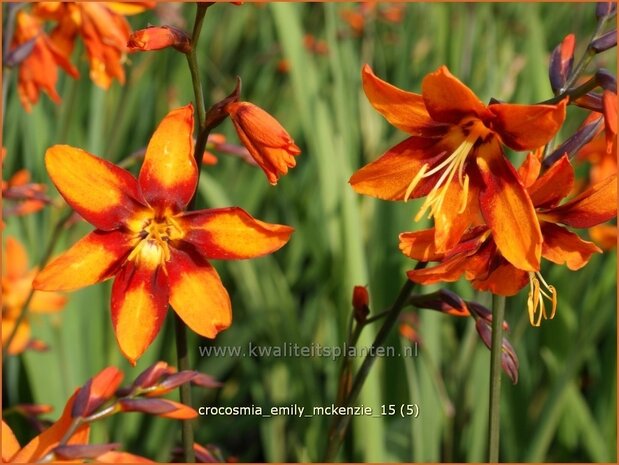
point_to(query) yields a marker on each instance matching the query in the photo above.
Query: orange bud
(98, 390)
(158, 37)
(161, 407)
(265, 139)
(360, 303)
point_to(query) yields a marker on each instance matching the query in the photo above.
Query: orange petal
(504, 279)
(10, 446)
(169, 174)
(104, 194)
(451, 221)
(22, 336)
(594, 206)
(48, 439)
(448, 270)
(389, 176)
(121, 457)
(47, 302)
(129, 8)
(405, 110)
(604, 235)
(527, 127)
(508, 210)
(564, 247)
(231, 233)
(448, 100)
(197, 294)
(553, 185)
(16, 259)
(139, 304)
(531, 167)
(93, 259)
(419, 245)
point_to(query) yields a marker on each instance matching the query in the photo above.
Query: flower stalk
(340, 423)
(498, 313)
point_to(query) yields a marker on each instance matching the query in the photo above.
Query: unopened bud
(608, 40)
(561, 61)
(97, 390)
(83, 451)
(603, 9)
(360, 303)
(159, 37)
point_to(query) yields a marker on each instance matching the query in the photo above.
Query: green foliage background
(563, 408)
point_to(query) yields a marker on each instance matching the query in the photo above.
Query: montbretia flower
(267, 141)
(16, 286)
(455, 159)
(39, 70)
(478, 257)
(158, 252)
(104, 29)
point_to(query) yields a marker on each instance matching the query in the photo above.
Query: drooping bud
(159, 37)
(602, 43)
(360, 303)
(97, 390)
(561, 61)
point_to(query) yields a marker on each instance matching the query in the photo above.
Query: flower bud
(83, 451)
(603, 43)
(561, 61)
(159, 37)
(360, 303)
(161, 407)
(267, 141)
(603, 9)
(98, 390)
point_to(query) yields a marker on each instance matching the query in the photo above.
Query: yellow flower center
(452, 164)
(537, 294)
(153, 238)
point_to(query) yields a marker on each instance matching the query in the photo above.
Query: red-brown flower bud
(360, 303)
(159, 37)
(98, 390)
(161, 407)
(267, 141)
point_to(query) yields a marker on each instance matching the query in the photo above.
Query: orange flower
(479, 259)
(39, 70)
(29, 197)
(16, 286)
(455, 159)
(104, 29)
(158, 252)
(43, 444)
(157, 38)
(267, 141)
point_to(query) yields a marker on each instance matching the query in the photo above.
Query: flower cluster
(103, 28)
(492, 223)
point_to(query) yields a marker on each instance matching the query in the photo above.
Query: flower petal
(231, 233)
(389, 176)
(448, 270)
(10, 445)
(48, 439)
(508, 210)
(419, 245)
(531, 167)
(405, 110)
(594, 206)
(564, 247)
(104, 194)
(15, 259)
(139, 304)
(20, 340)
(527, 127)
(47, 302)
(93, 259)
(555, 184)
(504, 279)
(169, 174)
(197, 294)
(448, 100)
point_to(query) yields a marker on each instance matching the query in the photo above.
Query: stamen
(465, 194)
(418, 177)
(450, 165)
(536, 299)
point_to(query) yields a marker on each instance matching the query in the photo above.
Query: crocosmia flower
(39, 70)
(478, 258)
(104, 29)
(158, 252)
(454, 158)
(16, 286)
(266, 140)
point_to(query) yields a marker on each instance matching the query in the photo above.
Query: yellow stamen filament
(450, 165)
(153, 240)
(535, 302)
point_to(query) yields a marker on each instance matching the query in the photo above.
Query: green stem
(341, 422)
(498, 313)
(180, 328)
(46, 256)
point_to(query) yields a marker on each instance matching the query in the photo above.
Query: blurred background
(302, 63)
